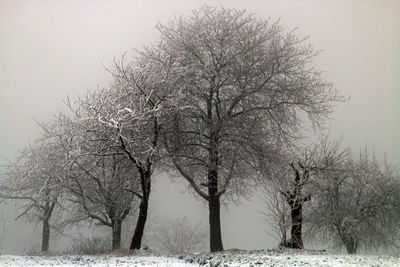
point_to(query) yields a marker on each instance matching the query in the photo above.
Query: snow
(289, 257)
(97, 261)
(233, 257)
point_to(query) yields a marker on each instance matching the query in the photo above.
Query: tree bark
(141, 222)
(48, 211)
(295, 199)
(214, 214)
(212, 179)
(297, 222)
(45, 235)
(143, 208)
(116, 235)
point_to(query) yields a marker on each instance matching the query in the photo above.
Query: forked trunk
(350, 244)
(295, 199)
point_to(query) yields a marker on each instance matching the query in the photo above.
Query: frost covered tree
(123, 133)
(126, 119)
(33, 181)
(357, 206)
(242, 84)
(293, 181)
(103, 184)
(104, 189)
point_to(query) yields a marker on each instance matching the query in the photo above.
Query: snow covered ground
(109, 261)
(227, 258)
(289, 257)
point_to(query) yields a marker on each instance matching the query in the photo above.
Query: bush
(33, 250)
(178, 236)
(91, 245)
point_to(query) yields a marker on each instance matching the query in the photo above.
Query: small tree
(293, 182)
(104, 189)
(33, 180)
(358, 206)
(102, 182)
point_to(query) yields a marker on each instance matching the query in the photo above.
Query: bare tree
(358, 206)
(126, 118)
(294, 180)
(243, 83)
(113, 118)
(103, 183)
(104, 189)
(142, 101)
(33, 180)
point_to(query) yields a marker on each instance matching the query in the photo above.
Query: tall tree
(242, 84)
(127, 118)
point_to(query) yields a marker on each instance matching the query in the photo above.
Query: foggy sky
(50, 49)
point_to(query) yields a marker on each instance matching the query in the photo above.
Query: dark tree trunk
(145, 181)
(215, 225)
(214, 214)
(295, 199)
(297, 222)
(116, 235)
(48, 211)
(45, 235)
(212, 179)
(141, 222)
(143, 208)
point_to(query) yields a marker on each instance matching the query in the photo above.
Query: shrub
(91, 245)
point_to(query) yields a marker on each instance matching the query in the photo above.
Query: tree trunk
(48, 211)
(297, 222)
(143, 208)
(45, 235)
(215, 225)
(214, 214)
(116, 235)
(137, 237)
(295, 199)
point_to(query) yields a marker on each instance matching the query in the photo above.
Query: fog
(51, 49)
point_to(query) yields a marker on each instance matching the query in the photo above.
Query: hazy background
(49, 49)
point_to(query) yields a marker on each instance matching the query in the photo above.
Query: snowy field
(228, 258)
(109, 261)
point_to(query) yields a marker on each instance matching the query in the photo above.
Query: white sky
(49, 49)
